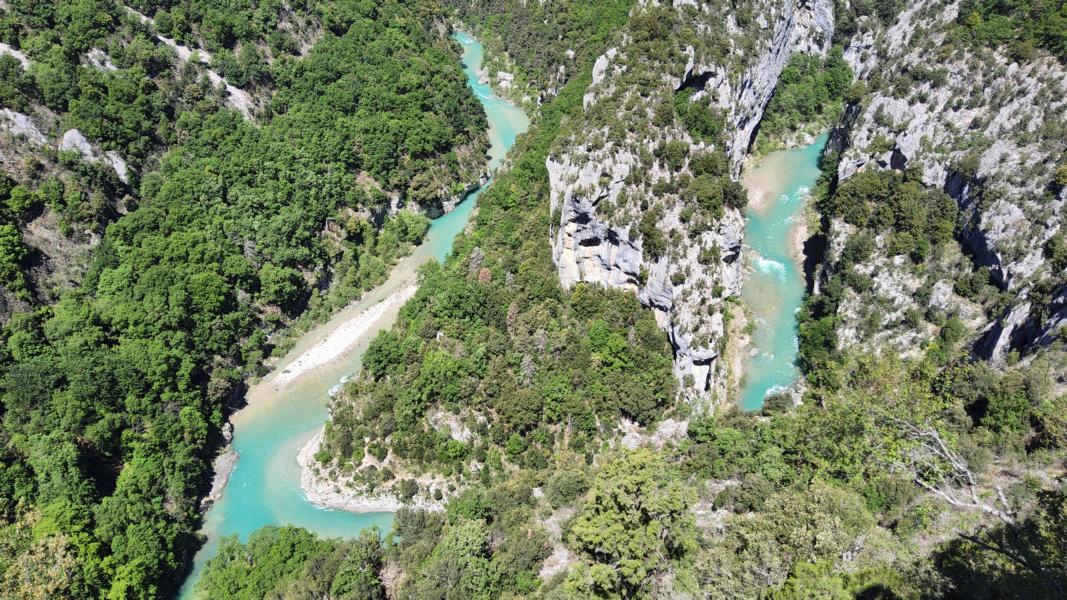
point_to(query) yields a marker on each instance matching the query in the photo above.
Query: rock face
(22, 125)
(981, 127)
(236, 98)
(604, 180)
(800, 26)
(16, 54)
(74, 141)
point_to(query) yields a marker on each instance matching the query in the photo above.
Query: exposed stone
(16, 54)
(587, 246)
(116, 162)
(73, 140)
(99, 59)
(981, 109)
(20, 124)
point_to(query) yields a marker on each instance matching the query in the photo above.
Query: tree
(279, 285)
(358, 576)
(634, 523)
(12, 253)
(1023, 560)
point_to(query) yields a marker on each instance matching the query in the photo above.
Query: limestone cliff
(613, 184)
(988, 130)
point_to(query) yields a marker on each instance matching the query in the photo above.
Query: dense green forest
(841, 497)
(1020, 25)
(113, 397)
(493, 330)
(808, 95)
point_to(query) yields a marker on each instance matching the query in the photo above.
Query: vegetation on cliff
(113, 398)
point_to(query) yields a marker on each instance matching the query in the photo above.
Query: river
(773, 291)
(264, 488)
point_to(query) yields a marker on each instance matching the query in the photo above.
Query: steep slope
(534, 48)
(644, 191)
(508, 392)
(115, 397)
(985, 125)
(94, 94)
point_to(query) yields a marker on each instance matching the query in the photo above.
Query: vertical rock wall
(689, 286)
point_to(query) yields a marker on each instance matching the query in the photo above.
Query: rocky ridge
(989, 131)
(601, 177)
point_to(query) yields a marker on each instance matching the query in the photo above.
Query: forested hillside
(927, 473)
(114, 396)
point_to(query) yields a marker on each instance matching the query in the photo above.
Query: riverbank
(328, 493)
(342, 338)
(285, 410)
(766, 180)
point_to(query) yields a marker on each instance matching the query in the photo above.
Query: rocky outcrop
(235, 98)
(16, 54)
(444, 205)
(23, 125)
(801, 26)
(331, 490)
(74, 141)
(980, 126)
(223, 466)
(604, 181)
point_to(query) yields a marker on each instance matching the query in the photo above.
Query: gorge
(283, 413)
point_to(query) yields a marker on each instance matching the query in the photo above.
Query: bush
(280, 286)
(565, 487)
(406, 489)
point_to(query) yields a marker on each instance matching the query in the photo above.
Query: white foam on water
(766, 265)
(775, 390)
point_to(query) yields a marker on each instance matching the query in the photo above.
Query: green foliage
(704, 123)
(492, 331)
(281, 286)
(1021, 25)
(1056, 252)
(486, 549)
(118, 390)
(673, 154)
(653, 242)
(712, 194)
(795, 527)
(634, 523)
(564, 487)
(915, 220)
(848, 14)
(12, 253)
(291, 562)
(809, 90)
(538, 37)
(1027, 561)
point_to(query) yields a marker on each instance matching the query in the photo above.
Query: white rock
(99, 59)
(17, 54)
(117, 163)
(74, 140)
(20, 124)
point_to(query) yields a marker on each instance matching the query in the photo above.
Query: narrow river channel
(773, 292)
(264, 488)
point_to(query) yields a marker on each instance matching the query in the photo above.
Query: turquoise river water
(774, 289)
(264, 488)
